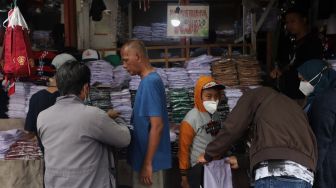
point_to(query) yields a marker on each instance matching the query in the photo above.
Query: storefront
(233, 41)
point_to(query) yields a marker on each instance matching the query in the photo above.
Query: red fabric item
(17, 50)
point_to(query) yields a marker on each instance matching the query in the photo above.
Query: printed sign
(194, 21)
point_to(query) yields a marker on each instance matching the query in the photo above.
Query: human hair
(71, 77)
(299, 11)
(137, 45)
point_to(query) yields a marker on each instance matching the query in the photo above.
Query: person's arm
(234, 127)
(322, 120)
(186, 138)
(108, 131)
(153, 143)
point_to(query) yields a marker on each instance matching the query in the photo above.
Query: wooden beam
(70, 26)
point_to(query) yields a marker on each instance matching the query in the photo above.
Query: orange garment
(187, 132)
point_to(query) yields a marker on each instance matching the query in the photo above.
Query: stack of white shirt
(121, 77)
(178, 78)
(233, 95)
(17, 101)
(163, 76)
(159, 31)
(199, 66)
(143, 33)
(101, 72)
(121, 102)
(135, 82)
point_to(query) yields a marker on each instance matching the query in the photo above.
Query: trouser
(195, 176)
(280, 182)
(157, 180)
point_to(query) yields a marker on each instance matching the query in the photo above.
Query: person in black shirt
(306, 46)
(45, 98)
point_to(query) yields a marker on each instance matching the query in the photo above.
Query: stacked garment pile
(159, 32)
(249, 71)
(233, 95)
(7, 139)
(169, 109)
(121, 78)
(199, 66)
(135, 80)
(134, 83)
(224, 72)
(121, 102)
(26, 148)
(17, 101)
(100, 97)
(163, 76)
(178, 78)
(142, 33)
(101, 72)
(180, 102)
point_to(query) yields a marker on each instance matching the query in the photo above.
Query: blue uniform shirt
(150, 101)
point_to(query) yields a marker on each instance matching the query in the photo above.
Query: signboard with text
(194, 21)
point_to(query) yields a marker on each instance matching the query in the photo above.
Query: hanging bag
(17, 49)
(17, 52)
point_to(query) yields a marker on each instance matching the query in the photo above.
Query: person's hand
(113, 113)
(146, 175)
(184, 182)
(201, 159)
(232, 160)
(275, 73)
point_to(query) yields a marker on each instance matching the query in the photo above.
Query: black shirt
(38, 102)
(307, 48)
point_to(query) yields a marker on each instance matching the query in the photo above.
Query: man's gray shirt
(76, 139)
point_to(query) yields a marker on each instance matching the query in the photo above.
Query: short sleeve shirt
(150, 101)
(40, 101)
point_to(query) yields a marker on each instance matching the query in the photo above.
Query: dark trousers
(195, 176)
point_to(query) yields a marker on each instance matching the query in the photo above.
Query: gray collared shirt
(76, 139)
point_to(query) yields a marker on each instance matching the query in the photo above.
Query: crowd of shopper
(288, 144)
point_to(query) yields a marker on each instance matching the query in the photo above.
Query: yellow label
(21, 60)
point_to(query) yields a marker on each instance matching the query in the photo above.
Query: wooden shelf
(186, 49)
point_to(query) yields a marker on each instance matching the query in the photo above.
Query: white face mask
(210, 106)
(306, 88)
